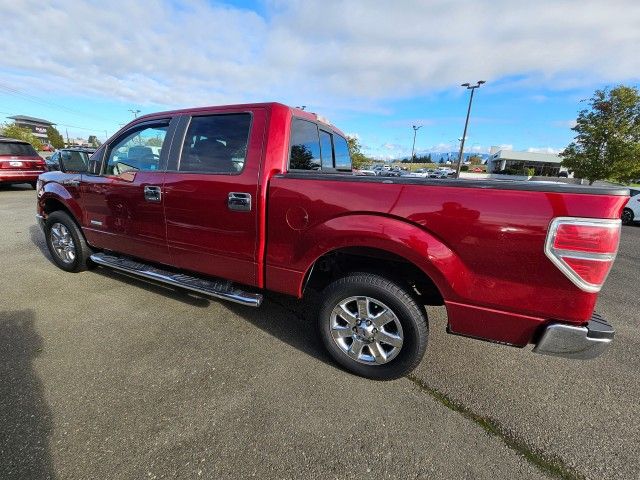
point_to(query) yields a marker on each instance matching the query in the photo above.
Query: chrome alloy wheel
(62, 242)
(366, 330)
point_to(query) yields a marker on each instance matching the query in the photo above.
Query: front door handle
(239, 202)
(152, 193)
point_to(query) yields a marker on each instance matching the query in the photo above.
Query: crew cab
(19, 162)
(234, 201)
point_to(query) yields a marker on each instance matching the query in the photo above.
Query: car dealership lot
(102, 375)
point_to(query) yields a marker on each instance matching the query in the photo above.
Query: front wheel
(627, 216)
(66, 243)
(373, 326)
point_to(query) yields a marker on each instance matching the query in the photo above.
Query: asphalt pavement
(107, 376)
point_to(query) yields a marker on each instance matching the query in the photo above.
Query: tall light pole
(466, 122)
(135, 113)
(413, 149)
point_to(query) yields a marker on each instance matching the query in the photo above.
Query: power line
(39, 100)
(71, 126)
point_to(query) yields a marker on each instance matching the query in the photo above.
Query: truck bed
(480, 242)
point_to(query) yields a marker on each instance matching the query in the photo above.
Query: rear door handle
(239, 202)
(152, 193)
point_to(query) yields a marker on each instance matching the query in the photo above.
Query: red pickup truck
(233, 201)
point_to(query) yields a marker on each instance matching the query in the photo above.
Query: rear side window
(343, 160)
(216, 144)
(17, 149)
(316, 149)
(326, 147)
(305, 146)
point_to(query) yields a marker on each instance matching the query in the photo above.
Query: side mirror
(70, 163)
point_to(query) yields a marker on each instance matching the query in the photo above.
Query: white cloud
(564, 123)
(544, 150)
(331, 54)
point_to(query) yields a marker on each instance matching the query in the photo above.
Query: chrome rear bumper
(575, 342)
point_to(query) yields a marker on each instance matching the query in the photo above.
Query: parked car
(19, 162)
(78, 156)
(365, 172)
(631, 211)
(47, 147)
(230, 210)
(423, 172)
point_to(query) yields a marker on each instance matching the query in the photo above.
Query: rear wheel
(627, 216)
(66, 243)
(373, 326)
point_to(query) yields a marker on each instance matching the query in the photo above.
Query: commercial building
(37, 125)
(518, 163)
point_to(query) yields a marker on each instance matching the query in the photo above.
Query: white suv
(631, 212)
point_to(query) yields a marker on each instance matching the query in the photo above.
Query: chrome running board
(223, 289)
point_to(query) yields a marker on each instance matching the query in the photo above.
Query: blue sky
(374, 68)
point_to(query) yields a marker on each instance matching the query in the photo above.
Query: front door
(123, 204)
(212, 196)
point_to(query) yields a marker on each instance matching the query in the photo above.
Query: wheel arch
(353, 241)
(56, 198)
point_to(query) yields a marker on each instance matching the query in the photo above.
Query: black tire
(405, 309)
(627, 216)
(34, 185)
(81, 250)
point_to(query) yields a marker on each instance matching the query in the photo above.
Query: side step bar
(223, 289)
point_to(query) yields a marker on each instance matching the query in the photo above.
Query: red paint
(28, 170)
(482, 247)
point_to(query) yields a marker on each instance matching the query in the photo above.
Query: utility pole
(466, 123)
(413, 149)
(135, 112)
(67, 132)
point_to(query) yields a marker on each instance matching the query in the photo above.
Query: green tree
(54, 137)
(358, 159)
(607, 141)
(94, 141)
(12, 130)
(475, 160)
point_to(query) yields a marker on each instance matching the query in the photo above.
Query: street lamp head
(465, 85)
(481, 82)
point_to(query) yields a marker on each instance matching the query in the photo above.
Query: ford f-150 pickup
(233, 201)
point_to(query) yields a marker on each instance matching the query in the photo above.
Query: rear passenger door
(211, 193)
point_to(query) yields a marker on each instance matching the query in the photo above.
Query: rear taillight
(583, 249)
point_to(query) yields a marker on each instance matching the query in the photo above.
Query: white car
(631, 212)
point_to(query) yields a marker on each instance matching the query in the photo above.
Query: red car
(238, 200)
(19, 162)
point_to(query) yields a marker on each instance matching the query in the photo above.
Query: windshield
(17, 149)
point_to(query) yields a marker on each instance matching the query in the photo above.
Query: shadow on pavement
(37, 238)
(25, 418)
(295, 327)
(289, 320)
(15, 187)
(175, 293)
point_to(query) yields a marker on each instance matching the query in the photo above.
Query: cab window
(216, 144)
(138, 151)
(305, 146)
(341, 152)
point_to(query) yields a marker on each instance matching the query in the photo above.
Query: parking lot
(106, 376)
